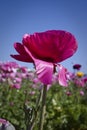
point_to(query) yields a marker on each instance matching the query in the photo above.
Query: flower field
(49, 96)
(21, 93)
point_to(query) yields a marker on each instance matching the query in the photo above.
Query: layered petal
(23, 56)
(51, 46)
(44, 70)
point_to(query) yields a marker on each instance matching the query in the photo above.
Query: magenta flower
(45, 50)
(77, 66)
(17, 86)
(68, 93)
(8, 67)
(85, 79)
(79, 82)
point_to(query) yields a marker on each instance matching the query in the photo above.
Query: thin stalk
(43, 108)
(36, 111)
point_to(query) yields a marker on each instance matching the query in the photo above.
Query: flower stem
(43, 107)
(35, 112)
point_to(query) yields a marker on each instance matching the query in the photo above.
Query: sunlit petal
(62, 75)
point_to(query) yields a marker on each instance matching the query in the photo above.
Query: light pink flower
(18, 80)
(82, 93)
(45, 50)
(3, 121)
(32, 93)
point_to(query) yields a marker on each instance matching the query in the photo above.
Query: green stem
(36, 112)
(43, 107)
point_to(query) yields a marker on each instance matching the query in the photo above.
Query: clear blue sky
(18, 17)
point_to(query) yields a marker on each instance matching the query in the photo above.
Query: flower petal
(62, 75)
(20, 48)
(44, 71)
(52, 45)
(3, 121)
(23, 56)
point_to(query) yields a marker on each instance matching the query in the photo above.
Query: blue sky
(18, 17)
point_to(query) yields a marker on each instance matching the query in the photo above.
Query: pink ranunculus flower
(45, 50)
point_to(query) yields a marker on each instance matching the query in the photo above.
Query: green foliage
(64, 111)
(12, 102)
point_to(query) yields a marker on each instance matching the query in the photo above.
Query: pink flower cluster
(13, 74)
(79, 82)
